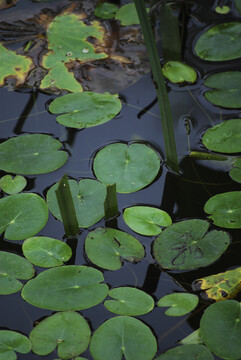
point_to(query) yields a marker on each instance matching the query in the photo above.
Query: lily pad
(220, 43)
(13, 267)
(68, 331)
(129, 301)
(12, 342)
(46, 252)
(187, 352)
(127, 15)
(220, 329)
(22, 215)
(186, 245)
(12, 185)
(105, 10)
(131, 167)
(146, 220)
(106, 247)
(31, 154)
(123, 336)
(238, 5)
(193, 338)
(224, 137)
(227, 89)
(86, 109)
(225, 209)
(177, 72)
(222, 9)
(180, 303)
(235, 172)
(71, 287)
(88, 197)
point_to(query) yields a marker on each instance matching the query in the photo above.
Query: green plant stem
(207, 156)
(111, 205)
(163, 100)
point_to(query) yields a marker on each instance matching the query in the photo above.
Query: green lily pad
(129, 301)
(46, 252)
(177, 72)
(146, 220)
(31, 154)
(22, 215)
(220, 329)
(106, 247)
(222, 10)
(13, 267)
(235, 172)
(88, 197)
(227, 89)
(220, 43)
(68, 331)
(225, 209)
(123, 336)
(127, 15)
(131, 167)
(86, 109)
(180, 303)
(105, 10)
(186, 245)
(12, 185)
(193, 338)
(187, 352)
(224, 137)
(12, 342)
(71, 287)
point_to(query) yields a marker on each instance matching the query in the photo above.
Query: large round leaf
(106, 247)
(13, 267)
(180, 303)
(22, 215)
(187, 245)
(71, 287)
(130, 167)
(225, 209)
(11, 341)
(12, 185)
(224, 137)
(187, 352)
(220, 43)
(129, 301)
(123, 336)
(235, 172)
(68, 331)
(220, 329)
(46, 252)
(31, 154)
(227, 89)
(146, 220)
(86, 109)
(88, 196)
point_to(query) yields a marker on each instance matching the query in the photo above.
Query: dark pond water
(182, 196)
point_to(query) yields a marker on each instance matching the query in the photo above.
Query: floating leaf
(222, 9)
(225, 209)
(131, 167)
(105, 10)
(31, 154)
(22, 215)
(71, 287)
(88, 196)
(12, 185)
(235, 172)
(127, 15)
(224, 137)
(129, 301)
(187, 245)
(180, 303)
(220, 43)
(45, 251)
(221, 286)
(86, 109)
(177, 72)
(227, 88)
(220, 329)
(13, 267)
(106, 247)
(238, 5)
(193, 338)
(123, 336)
(187, 352)
(12, 342)
(146, 220)
(68, 331)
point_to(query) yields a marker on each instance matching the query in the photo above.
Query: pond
(158, 257)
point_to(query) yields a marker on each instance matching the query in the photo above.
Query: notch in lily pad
(178, 72)
(180, 303)
(12, 342)
(12, 185)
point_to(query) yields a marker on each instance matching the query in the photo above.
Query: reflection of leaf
(180, 303)
(187, 352)
(12, 342)
(221, 286)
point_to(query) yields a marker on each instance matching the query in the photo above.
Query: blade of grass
(110, 204)
(163, 100)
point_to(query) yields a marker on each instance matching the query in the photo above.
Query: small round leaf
(105, 10)
(12, 341)
(180, 303)
(187, 352)
(127, 15)
(177, 72)
(235, 172)
(12, 185)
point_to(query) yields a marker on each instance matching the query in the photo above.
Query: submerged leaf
(12, 185)
(12, 342)
(177, 72)
(180, 303)
(187, 352)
